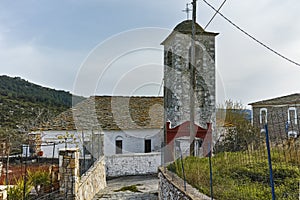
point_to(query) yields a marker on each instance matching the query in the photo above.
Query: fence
(259, 161)
(92, 150)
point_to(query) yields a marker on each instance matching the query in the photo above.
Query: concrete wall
(172, 187)
(132, 164)
(92, 181)
(3, 192)
(133, 140)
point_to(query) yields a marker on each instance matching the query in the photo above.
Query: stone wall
(277, 119)
(69, 172)
(172, 187)
(92, 181)
(73, 187)
(132, 164)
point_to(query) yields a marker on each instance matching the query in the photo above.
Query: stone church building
(129, 127)
(177, 67)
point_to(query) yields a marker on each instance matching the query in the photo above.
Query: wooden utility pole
(192, 82)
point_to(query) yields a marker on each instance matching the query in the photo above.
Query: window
(169, 58)
(292, 115)
(147, 146)
(263, 116)
(119, 145)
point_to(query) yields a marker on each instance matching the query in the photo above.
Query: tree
(238, 132)
(14, 144)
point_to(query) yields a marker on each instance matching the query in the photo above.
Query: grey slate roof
(185, 27)
(283, 100)
(111, 113)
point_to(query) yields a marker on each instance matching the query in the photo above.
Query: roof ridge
(278, 98)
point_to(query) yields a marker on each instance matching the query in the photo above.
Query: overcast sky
(57, 43)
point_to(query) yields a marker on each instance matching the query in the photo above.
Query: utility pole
(192, 82)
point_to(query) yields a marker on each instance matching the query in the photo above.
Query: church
(145, 126)
(177, 88)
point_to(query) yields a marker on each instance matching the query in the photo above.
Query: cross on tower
(187, 10)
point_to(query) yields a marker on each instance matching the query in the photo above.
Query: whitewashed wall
(132, 164)
(50, 137)
(133, 140)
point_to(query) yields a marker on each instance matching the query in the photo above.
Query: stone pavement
(147, 185)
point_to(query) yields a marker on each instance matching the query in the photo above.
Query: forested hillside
(24, 105)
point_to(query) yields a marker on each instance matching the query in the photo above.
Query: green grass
(241, 175)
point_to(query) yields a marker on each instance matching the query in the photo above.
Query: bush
(16, 192)
(39, 180)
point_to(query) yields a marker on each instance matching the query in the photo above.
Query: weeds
(241, 175)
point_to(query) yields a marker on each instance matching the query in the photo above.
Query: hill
(24, 105)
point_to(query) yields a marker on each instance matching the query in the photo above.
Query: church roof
(111, 113)
(185, 27)
(283, 100)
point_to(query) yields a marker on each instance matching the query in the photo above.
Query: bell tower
(177, 67)
(178, 86)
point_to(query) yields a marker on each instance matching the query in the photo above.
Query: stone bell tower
(177, 67)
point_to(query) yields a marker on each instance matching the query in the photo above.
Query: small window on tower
(170, 59)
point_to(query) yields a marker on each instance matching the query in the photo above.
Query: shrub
(16, 192)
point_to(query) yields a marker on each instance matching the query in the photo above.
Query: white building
(115, 127)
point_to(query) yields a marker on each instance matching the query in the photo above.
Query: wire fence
(250, 161)
(92, 150)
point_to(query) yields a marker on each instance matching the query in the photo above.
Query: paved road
(147, 185)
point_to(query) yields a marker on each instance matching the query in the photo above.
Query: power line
(215, 14)
(252, 37)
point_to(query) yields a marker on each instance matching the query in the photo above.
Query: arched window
(292, 115)
(169, 58)
(119, 145)
(263, 116)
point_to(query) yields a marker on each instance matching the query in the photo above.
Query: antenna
(187, 10)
